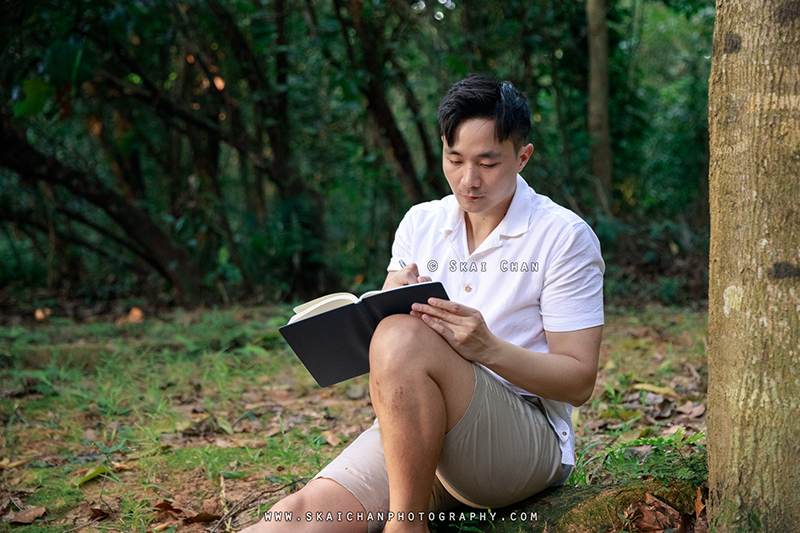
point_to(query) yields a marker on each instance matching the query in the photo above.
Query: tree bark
(754, 300)
(601, 162)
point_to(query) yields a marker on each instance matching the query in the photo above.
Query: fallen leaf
(698, 411)
(91, 474)
(630, 436)
(652, 516)
(221, 442)
(665, 409)
(595, 425)
(118, 467)
(331, 437)
(685, 408)
(98, 513)
(203, 518)
(224, 425)
(248, 426)
(698, 503)
(621, 414)
(164, 505)
(663, 391)
(8, 465)
(27, 516)
(271, 432)
(653, 399)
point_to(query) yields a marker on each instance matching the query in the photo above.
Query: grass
(203, 408)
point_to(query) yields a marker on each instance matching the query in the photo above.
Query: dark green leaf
(37, 92)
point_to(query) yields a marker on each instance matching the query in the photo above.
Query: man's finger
(450, 306)
(412, 267)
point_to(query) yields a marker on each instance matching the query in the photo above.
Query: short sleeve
(401, 247)
(572, 292)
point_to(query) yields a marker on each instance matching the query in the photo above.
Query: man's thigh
(503, 449)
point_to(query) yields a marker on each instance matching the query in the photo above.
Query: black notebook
(331, 334)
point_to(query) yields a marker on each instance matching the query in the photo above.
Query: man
(473, 396)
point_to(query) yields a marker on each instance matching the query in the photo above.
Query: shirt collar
(515, 222)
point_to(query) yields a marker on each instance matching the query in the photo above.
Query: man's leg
(319, 496)
(420, 388)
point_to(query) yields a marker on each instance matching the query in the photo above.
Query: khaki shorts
(503, 450)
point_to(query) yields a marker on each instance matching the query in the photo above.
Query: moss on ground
(571, 509)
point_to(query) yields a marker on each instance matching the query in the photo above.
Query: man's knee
(285, 511)
(397, 339)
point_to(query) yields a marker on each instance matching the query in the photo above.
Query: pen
(402, 264)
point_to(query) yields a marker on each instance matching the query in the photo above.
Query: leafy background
(161, 152)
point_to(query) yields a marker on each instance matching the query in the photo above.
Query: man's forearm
(556, 376)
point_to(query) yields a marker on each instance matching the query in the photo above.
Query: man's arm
(566, 374)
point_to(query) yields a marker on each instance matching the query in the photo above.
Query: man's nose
(472, 176)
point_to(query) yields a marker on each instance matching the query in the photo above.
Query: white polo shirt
(540, 269)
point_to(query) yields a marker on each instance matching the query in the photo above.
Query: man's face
(482, 171)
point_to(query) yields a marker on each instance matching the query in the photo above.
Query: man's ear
(524, 156)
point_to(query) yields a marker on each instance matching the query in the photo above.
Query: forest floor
(201, 420)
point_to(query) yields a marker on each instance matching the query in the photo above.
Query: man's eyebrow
(491, 154)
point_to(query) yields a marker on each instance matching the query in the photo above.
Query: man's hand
(407, 275)
(462, 327)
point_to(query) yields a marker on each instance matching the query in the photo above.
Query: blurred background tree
(188, 151)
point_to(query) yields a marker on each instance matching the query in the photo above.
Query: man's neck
(480, 225)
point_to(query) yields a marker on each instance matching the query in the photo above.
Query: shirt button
(564, 433)
(468, 288)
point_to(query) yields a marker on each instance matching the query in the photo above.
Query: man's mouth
(470, 198)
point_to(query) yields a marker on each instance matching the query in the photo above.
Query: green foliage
(37, 94)
(254, 143)
(675, 458)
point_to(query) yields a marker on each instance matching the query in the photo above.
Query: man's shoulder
(546, 212)
(432, 210)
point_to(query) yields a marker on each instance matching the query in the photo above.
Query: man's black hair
(482, 97)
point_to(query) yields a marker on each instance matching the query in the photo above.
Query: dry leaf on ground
(653, 516)
(331, 438)
(698, 503)
(27, 516)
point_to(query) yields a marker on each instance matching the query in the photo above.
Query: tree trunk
(754, 301)
(373, 59)
(601, 161)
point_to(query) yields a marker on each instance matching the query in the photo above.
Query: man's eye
(454, 162)
(489, 165)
